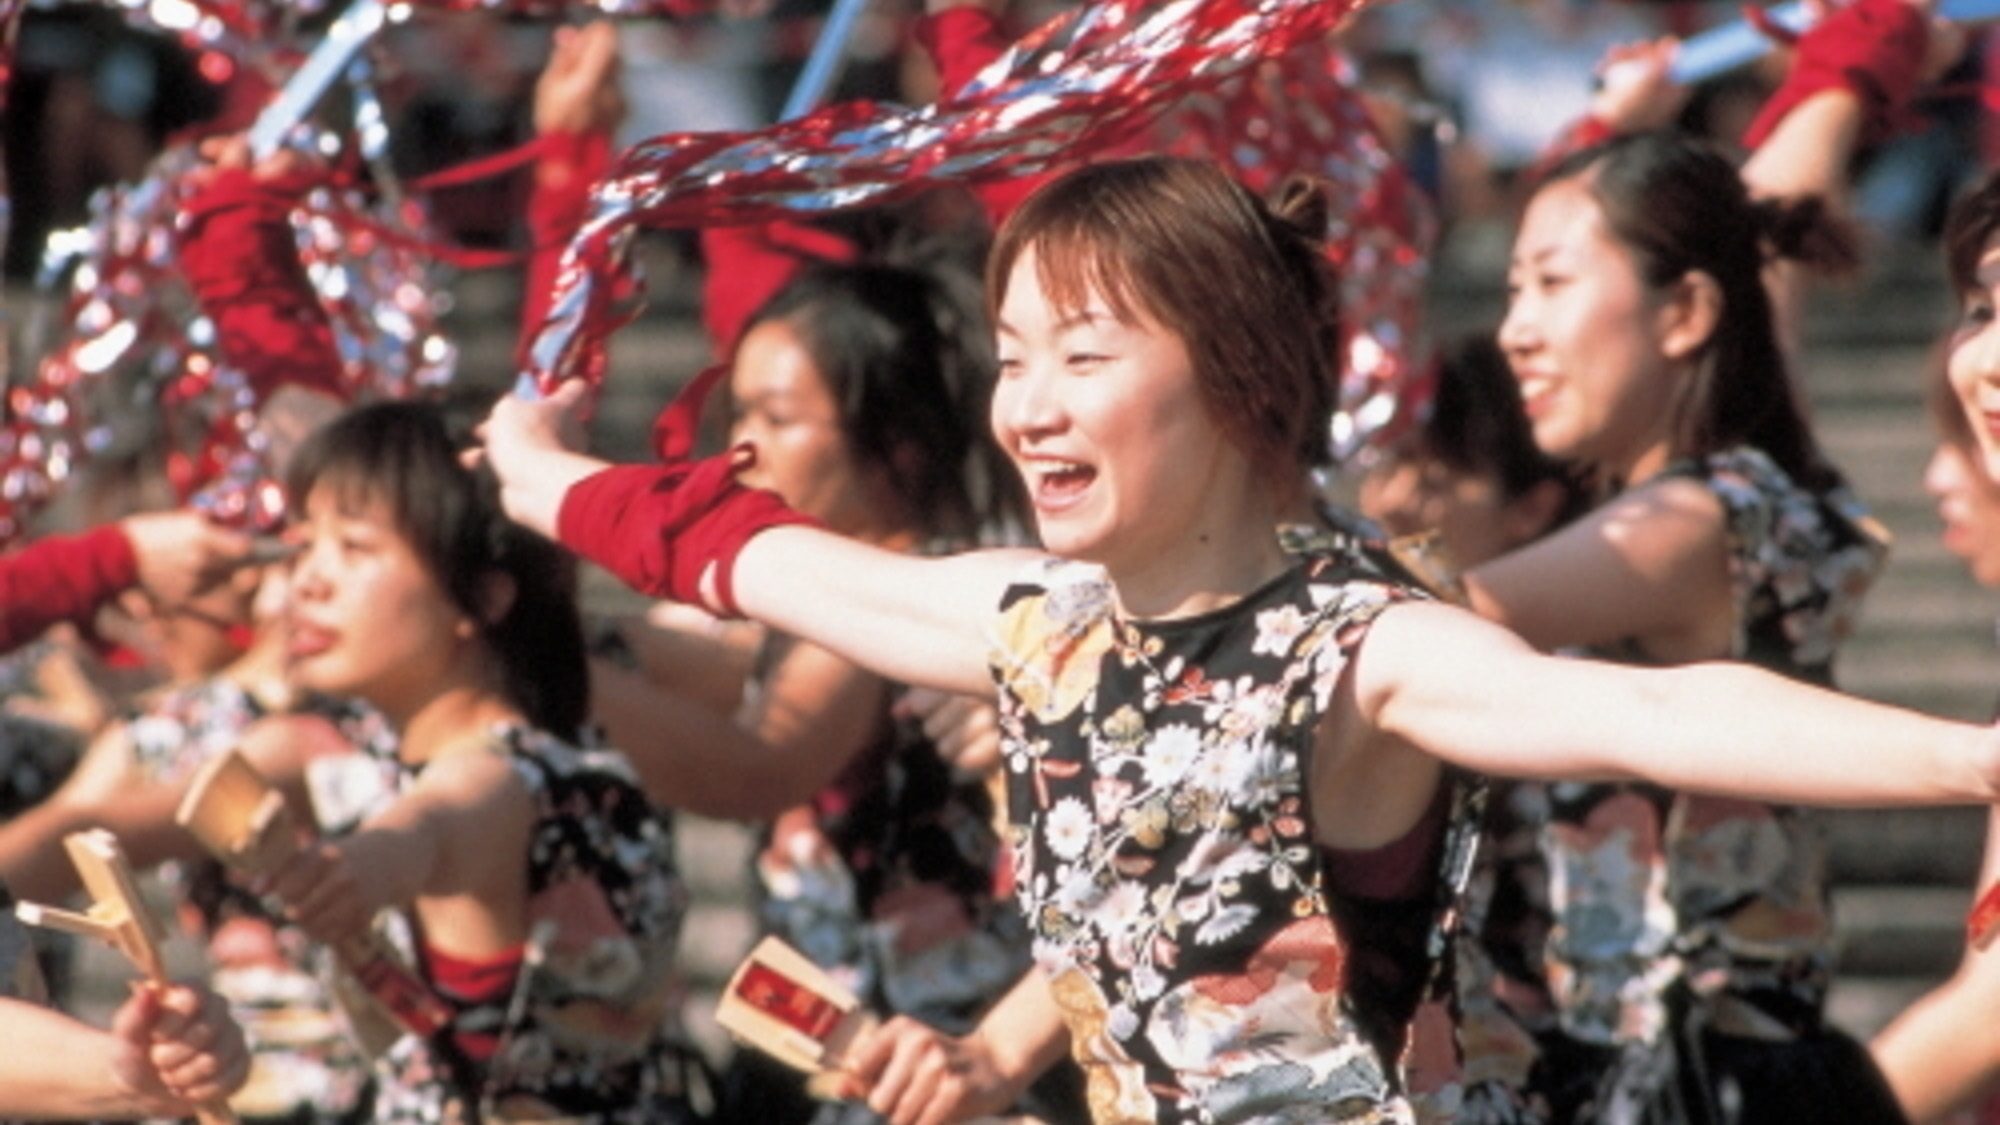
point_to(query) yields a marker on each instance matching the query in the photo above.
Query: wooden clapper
(784, 1005)
(244, 822)
(117, 917)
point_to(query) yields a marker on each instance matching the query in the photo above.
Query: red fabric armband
(659, 527)
(62, 578)
(1874, 48)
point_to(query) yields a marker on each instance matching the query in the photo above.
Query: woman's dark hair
(1972, 222)
(405, 456)
(1247, 288)
(908, 358)
(1681, 206)
(1476, 425)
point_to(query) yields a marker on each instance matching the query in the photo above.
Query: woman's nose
(1025, 403)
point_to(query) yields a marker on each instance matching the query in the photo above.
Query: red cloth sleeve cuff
(602, 518)
(113, 564)
(62, 578)
(660, 529)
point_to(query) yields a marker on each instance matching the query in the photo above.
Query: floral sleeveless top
(580, 1028)
(1164, 851)
(1599, 900)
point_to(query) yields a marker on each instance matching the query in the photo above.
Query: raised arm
(1462, 689)
(813, 713)
(578, 105)
(172, 556)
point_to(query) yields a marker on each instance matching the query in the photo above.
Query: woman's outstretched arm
(1464, 690)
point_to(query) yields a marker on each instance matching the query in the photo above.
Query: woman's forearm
(57, 1067)
(1471, 693)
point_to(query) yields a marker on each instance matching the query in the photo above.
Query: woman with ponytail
(1688, 944)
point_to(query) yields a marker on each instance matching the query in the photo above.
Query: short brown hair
(1246, 287)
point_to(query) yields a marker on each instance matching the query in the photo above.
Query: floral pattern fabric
(1598, 902)
(584, 1032)
(1163, 848)
(889, 883)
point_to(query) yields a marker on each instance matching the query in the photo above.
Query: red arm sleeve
(570, 163)
(660, 527)
(238, 254)
(61, 579)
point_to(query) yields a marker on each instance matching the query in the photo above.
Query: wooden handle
(244, 822)
(118, 917)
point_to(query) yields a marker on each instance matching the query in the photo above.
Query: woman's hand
(914, 1074)
(579, 91)
(1635, 86)
(529, 443)
(322, 894)
(176, 1047)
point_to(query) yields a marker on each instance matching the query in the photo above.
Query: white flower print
(1068, 828)
(1221, 769)
(1172, 751)
(1227, 923)
(1277, 630)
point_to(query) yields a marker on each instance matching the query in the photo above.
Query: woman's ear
(1691, 314)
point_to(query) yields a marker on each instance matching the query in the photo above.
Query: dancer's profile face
(367, 618)
(1105, 421)
(1973, 361)
(1968, 505)
(783, 409)
(1584, 335)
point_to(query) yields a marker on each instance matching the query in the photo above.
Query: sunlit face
(1107, 425)
(1584, 336)
(366, 616)
(784, 410)
(1415, 492)
(1973, 362)
(1968, 504)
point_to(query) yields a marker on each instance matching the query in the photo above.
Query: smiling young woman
(1227, 752)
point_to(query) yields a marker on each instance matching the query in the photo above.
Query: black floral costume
(580, 1029)
(1165, 855)
(1617, 915)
